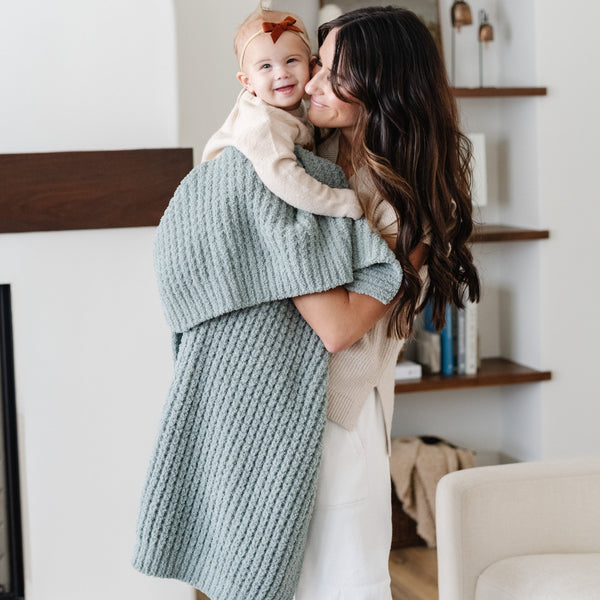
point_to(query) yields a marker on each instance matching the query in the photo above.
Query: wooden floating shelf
(507, 233)
(498, 92)
(493, 371)
(89, 190)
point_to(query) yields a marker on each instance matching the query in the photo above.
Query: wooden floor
(413, 572)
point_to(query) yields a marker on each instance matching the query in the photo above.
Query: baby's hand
(353, 207)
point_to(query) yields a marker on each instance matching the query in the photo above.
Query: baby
(269, 117)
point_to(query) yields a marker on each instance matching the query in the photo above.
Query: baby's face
(276, 73)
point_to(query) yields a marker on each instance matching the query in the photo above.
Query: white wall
(92, 354)
(87, 75)
(569, 130)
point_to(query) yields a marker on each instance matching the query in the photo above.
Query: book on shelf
(428, 343)
(428, 317)
(471, 331)
(429, 351)
(407, 370)
(447, 343)
(461, 354)
(467, 342)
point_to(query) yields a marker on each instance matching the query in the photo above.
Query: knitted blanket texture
(232, 480)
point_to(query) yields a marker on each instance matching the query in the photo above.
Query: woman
(230, 492)
(381, 86)
(230, 489)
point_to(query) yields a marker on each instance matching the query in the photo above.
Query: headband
(276, 29)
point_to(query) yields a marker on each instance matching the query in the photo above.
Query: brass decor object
(485, 36)
(460, 15)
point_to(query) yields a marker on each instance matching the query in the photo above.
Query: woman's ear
(245, 81)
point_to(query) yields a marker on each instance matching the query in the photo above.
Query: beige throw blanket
(416, 467)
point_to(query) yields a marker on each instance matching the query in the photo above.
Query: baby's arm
(270, 148)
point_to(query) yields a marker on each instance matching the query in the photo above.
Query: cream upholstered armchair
(526, 531)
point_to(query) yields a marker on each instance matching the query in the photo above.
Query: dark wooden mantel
(88, 190)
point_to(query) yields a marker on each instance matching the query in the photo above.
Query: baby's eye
(265, 66)
(291, 60)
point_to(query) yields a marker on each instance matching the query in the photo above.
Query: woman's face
(326, 109)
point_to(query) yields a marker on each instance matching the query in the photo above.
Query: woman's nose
(313, 82)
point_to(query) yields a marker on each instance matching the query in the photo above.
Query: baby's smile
(286, 89)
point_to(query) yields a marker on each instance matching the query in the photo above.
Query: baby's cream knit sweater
(266, 135)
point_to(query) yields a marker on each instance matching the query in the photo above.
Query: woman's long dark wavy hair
(408, 138)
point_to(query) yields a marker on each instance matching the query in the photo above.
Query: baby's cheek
(304, 76)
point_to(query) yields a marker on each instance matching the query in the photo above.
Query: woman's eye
(318, 61)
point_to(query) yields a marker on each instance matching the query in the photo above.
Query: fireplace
(11, 545)
(60, 192)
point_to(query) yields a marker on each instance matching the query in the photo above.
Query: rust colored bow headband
(276, 29)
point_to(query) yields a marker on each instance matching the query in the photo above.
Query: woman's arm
(339, 317)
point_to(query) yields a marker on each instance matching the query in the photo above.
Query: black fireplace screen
(11, 545)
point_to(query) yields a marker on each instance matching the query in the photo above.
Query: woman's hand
(340, 318)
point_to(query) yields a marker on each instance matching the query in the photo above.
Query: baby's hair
(254, 23)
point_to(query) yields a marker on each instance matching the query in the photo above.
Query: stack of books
(454, 350)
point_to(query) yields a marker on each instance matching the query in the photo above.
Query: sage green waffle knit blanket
(232, 480)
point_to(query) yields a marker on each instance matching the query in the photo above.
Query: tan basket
(404, 529)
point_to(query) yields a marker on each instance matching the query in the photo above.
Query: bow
(276, 29)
